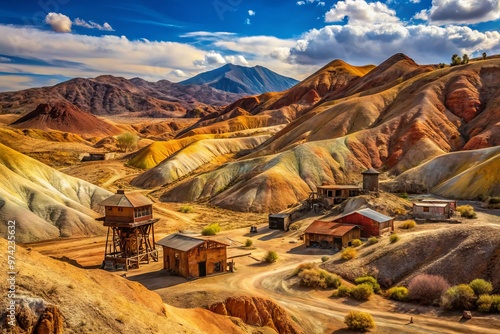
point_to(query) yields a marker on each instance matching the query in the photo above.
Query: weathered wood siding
(433, 211)
(370, 227)
(310, 238)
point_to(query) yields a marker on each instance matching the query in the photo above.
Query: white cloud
(208, 34)
(179, 73)
(92, 25)
(361, 12)
(318, 2)
(415, 1)
(236, 60)
(300, 3)
(461, 11)
(248, 21)
(58, 22)
(251, 12)
(211, 59)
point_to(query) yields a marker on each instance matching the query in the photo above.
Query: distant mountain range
(243, 80)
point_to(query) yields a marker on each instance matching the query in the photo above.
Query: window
(110, 208)
(143, 211)
(217, 267)
(329, 193)
(426, 209)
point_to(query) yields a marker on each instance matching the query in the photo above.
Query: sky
(44, 42)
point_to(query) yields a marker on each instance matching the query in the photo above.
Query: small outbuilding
(334, 194)
(280, 221)
(372, 223)
(432, 210)
(370, 180)
(193, 257)
(451, 202)
(330, 235)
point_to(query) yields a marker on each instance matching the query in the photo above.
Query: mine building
(432, 210)
(130, 240)
(451, 202)
(372, 223)
(330, 235)
(192, 257)
(370, 180)
(280, 221)
(335, 194)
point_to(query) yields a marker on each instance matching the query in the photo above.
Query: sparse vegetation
(495, 304)
(481, 286)
(294, 227)
(484, 55)
(484, 302)
(441, 65)
(325, 258)
(318, 278)
(372, 240)
(211, 229)
(408, 224)
(467, 211)
(427, 289)
(186, 209)
(455, 60)
(362, 291)
(127, 141)
(248, 243)
(356, 243)
(400, 211)
(368, 280)
(399, 293)
(271, 257)
(404, 195)
(349, 253)
(343, 291)
(393, 238)
(303, 266)
(359, 321)
(458, 297)
(465, 59)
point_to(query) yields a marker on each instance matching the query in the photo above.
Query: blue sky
(44, 42)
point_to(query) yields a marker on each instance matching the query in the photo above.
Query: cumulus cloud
(236, 60)
(361, 12)
(415, 1)
(318, 2)
(92, 25)
(58, 22)
(248, 22)
(211, 59)
(251, 12)
(179, 73)
(461, 11)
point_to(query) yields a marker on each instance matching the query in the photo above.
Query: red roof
(329, 228)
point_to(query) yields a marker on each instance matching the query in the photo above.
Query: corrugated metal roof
(184, 243)
(428, 204)
(338, 186)
(371, 171)
(329, 228)
(374, 215)
(279, 215)
(127, 200)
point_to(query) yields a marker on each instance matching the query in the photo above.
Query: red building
(372, 222)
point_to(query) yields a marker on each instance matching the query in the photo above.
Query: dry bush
(325, 258)
(408, 224)
(368, 280)
(248, 243)
(349, 253)
(495, 304)
(362, 291)
(481, 287)
(399, 211)
(303, 266)
(211, 229)
(458, 297)
(427, 289)
(393, 238)
(484, 302)
(186, 209)
(467, 211)
(271, 257)
(318, 278)
(359, 321)
(398, 293)
(343, 291)
(356, 243)
(372, 240)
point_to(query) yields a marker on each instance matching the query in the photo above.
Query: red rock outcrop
(463, 98)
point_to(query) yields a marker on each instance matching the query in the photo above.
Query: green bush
(398, 293)
(271, 257)
(393, 238)
(318, 278)
(372, 240)
(349, 253)
(325, 258)
(368, 280)
(404, 195)
(186, 209)
(359, 321)
(362, 291)
(303, 266)
(399, 211)
(248, 243)
(356, 243)
(211, 229)
(481, 287)
(458, 297)
(343, 291)
(408, 224)
(495, 303)
(126, 141)
(484, 302)
(467, 211)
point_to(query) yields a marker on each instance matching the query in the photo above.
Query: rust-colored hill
(63, 116)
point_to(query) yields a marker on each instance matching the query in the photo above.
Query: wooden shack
(130, 239)
(193, 257)
(451, 202)
(431, 210)
(280, 221)
(372, 222)
(370, 180)
(330, 235)
(334, 194)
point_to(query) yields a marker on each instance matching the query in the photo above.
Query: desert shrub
(294, 227)
(484, 302)
(271, 257)
(408, 224)
(362, 291)
(427, 289)
(368, 280)
(480, 286)
(458, 297)
(372, 240)
(359, 321)
(127, 141)
(248, 243)
(495, 303)
(399, 211)
(467, 211)
(356, 243)
(403, 195)
(186, 209)
(211, 229)
(349, 253)
(303, 266)
(343, 291)
(494, 200)
(398, 293)
(393, 238)
(318, 278)
(325, 258)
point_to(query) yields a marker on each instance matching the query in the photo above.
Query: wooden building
(330, 235)
(451, 202)
(334, 194)
(280, 221)
(372, 223)
(193, 257)
(130, 239)
(370, 180)
(431, 210)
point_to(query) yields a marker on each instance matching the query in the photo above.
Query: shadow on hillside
(157, 279)
(74, 262)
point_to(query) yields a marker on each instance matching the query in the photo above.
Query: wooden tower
(131, 237)
(370, 180)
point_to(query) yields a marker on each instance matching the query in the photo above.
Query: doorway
(202, 269)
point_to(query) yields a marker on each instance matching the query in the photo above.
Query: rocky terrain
(243, 80)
